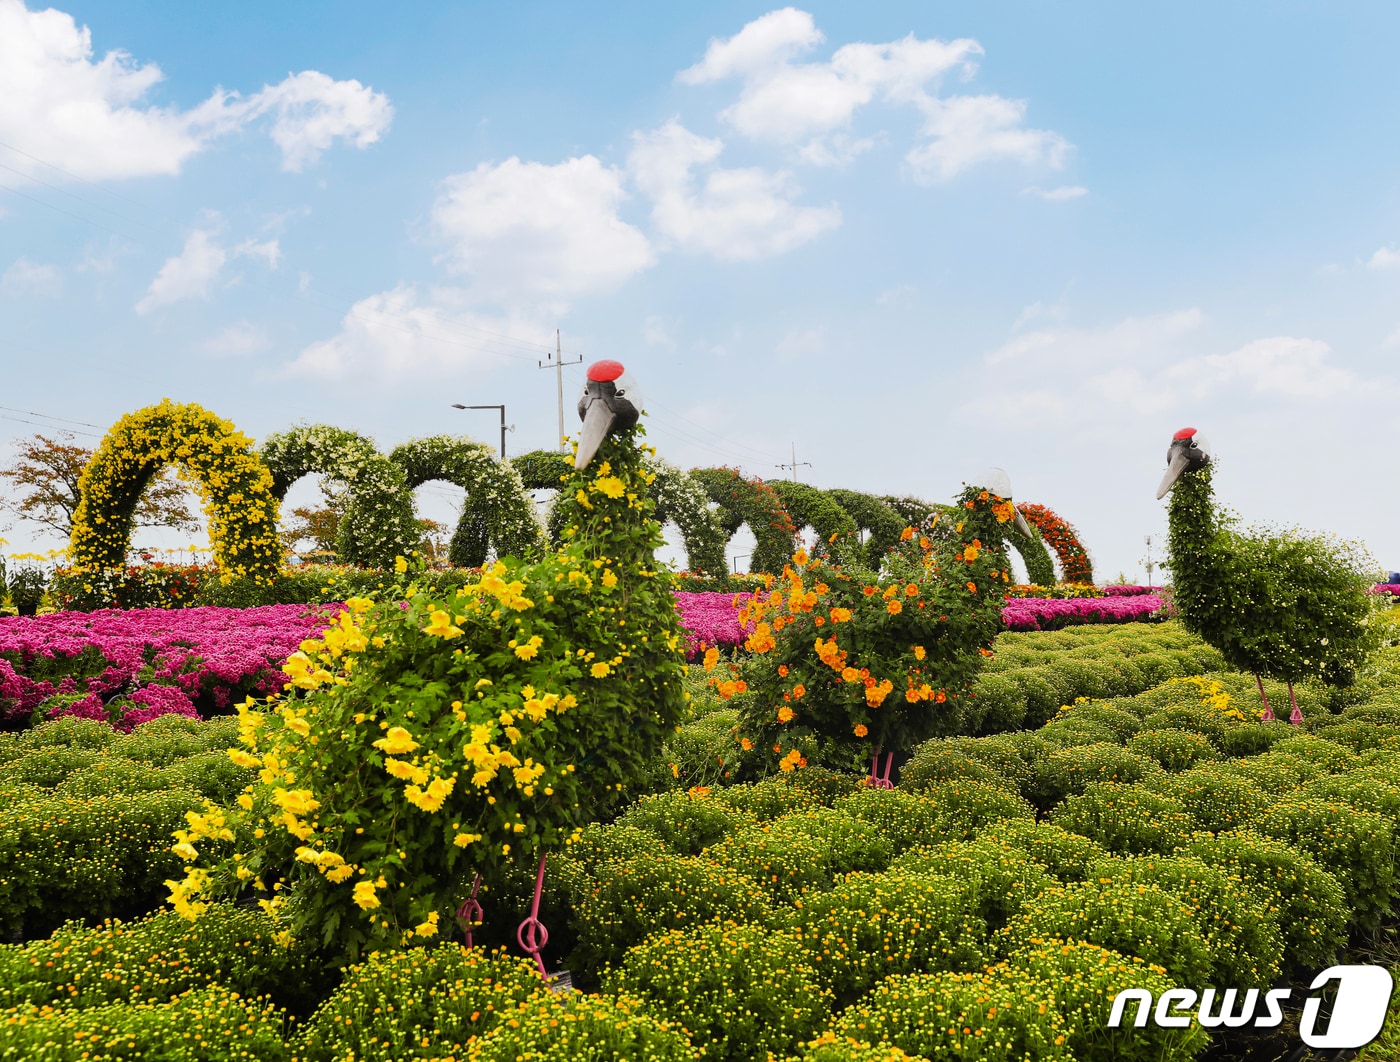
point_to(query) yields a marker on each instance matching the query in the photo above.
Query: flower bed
(1040, 614)
(166, 660)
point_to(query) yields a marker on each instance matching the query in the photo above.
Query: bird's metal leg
(532, 936)
(875, 781)
(1297, 715)
(885, 778)
(469, 914)
(1268, 716)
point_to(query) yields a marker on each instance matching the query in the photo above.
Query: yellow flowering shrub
(218, 461)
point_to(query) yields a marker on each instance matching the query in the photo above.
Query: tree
(45, 475)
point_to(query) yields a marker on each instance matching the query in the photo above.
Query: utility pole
(504, 429)
(1148, 562)
(794, 463)
(557, 363)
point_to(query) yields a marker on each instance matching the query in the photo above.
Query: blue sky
(912, 239)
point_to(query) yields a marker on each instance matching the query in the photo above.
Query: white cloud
(1384, 258)
(811, 106)
(524, 231)
(192, 273)
(1057, 195)
(731, 214)
(92, 118)
(655, 333)
(1280, 365)
(903, 295)
(800, 342)
(1155, 335)
(235, 341)
(398, 335)
(25, 279)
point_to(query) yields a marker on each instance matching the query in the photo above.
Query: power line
(66, 420)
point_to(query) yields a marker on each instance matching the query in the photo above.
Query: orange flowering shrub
(846, 658)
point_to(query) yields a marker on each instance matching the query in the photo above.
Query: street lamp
(504, 429)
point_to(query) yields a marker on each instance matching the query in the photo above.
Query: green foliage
(1001, 876)
(803, 851)
(1067, 856)
(752, 502)
(1215, 799)
(829, 1047)
(741, 991)
(942, 812)
(579, 1028)
(1125, 819)
(686, 822)
(417, 1004)
(1174, 750)
(207, 1025)
(872, 925)
(814, 507)
(1068, 771)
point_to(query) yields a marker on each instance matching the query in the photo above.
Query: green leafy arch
(378, 524)
(542, 469)
(233, 483)
(496, 513)
(752, 502)
(874, 516)
(808, 505)
(682, 499)
(1040, 568)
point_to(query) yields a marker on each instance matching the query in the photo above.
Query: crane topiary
(432, 741)
(1284, 606)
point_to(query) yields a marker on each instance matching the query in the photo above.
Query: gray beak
(596, 424)
(1173, 473)
(1021, 524)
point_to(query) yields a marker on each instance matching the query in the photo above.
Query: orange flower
(911, 695)
(983, 496)
(840, 615)
(869, 591)
(799, 691)
(919, 652)
(786, 714)
(906, 534)
(861, 730)
(782, 670)
(972, 588)
(746, 744)
(800, 557)
(924, 543)
(971, 553)
(711, 658)
(850, 674)
(819, 621)
(894, 608)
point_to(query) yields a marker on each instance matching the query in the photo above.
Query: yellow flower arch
(231, 480)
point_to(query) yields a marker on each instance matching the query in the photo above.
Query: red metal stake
(1297, 716)
(875, 781)
(1268, 714)
(469, 914)
(532, 935)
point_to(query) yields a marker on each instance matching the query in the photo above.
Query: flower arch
(752, 502)
(682, 499)
(1075, 566)
(233, 483)
(378, 524)
(497, 512)
(808, 505)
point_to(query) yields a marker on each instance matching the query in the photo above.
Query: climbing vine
(874, 516)
(378, 524)
(496, 512)
(1075, 566)
(752, 502)
(234, 485)
(1040, 569)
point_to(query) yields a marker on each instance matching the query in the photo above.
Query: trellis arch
(496, 513)
(872, 515)
(752, 502)
(1075, 566)
(808, 505)
(682, 499)
(378, 524)
(233, 483)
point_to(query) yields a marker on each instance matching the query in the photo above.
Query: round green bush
(1360, 736)
(631, 899)
(1103, 713)
(1125, 819)
(939, 761)
(46, 767)
(1134, 918)
(829, 1047)
(1069, 771)
(741, 991)
(1275, 772)
(1067, 856)
(109, 776)
(1328, 755)
(1174, 750)
(959, 1016)
(1358, 847)
(581, 1028)
(687, 822)
(803, 851)
(901, 921)
(1215, 799)
(1195, 718)
(1368, 793)
(767, 799)
(210, 774)
(1069, 733)
(1002, 877)
(1252, 739)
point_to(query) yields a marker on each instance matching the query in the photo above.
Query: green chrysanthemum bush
(1308, 901)
(1068, 856)
(686, 822)
(741, 991)
(872, 925)
(803, 851)
(980, 1016)
(1070, 771)
(425, 1003)
(433, 738)
(770, 798)
(940, 761)
(828, 1047)
(1174, 750)
(205, 1025)
(1126, 819)
(580, 1028)
(1003, 879)
(948, 811)
(1360, 791)
(1215, 799)
(220, 465)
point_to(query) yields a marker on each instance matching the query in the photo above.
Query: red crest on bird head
(1185, 433)
(604, 370)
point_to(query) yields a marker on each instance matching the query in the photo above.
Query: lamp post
(502, 408)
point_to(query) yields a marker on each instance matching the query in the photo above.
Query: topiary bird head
(998, 482)
(604, 408)
(1188, 452)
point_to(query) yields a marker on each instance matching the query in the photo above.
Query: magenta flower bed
(167, 660)
(1393, 589)
(710, 619)
(1128, 591)
(1043, 614)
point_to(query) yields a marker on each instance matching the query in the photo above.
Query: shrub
(1357, 846)
(871, 925)
(1309, 902)
(1174, 750)
(966, 808)
(110, 777)
(997, 704)
(1083, 979)
(207, 1025)
(686, 821)
(769, 798)
(1069, 771)
(1133, 918)
(1215, 799)
(1072, 733)
(741, 991)
(210, 774)
(940, 761)
(580, 1028)
(1010, 756)
(1328, 755)
(829, 1047)
(1275, 772)
(47, 767)
(1252, 739)
(698, 751)
(1125, 819)
(1370, 794)
(803, 851)
(950, 810)
(1002, 878)
(416, 1004)
(1102, 713)
(1067, 856)
(1360, 736)
(156, 958)
(633, 898)
(1243, 934)
(959, 1015)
